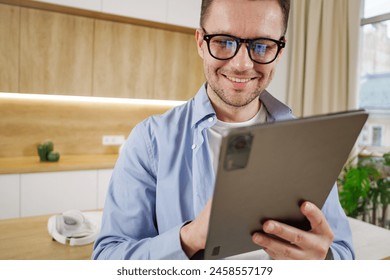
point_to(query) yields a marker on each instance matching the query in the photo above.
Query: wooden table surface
(28, 239)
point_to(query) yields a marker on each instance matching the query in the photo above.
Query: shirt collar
(202, 106)
(276, 110)
(203, 109)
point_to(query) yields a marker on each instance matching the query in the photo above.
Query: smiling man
(236, 71)
(159, 198)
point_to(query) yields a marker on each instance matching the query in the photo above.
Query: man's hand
(313, 244)
(194, 234)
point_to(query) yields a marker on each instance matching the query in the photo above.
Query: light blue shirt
(164, 177)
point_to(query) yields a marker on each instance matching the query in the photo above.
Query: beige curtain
(324, 42)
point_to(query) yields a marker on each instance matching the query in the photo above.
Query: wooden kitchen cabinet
(9, 48)
(60, 50)
(55, 53)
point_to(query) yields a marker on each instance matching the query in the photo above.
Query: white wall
(177, 12)
(93, 5)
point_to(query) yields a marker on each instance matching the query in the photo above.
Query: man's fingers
(317, 219)
(290, 234)
(300, 238)
(294, 243)
(277, 249)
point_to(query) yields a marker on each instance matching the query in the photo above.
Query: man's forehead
(236, 8)
(257, 18)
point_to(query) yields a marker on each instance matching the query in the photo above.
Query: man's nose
(241, 61)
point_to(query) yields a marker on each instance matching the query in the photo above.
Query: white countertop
(371, 242)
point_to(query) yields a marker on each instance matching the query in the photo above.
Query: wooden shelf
(14, 165)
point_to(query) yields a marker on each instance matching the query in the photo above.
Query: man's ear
(199, 41)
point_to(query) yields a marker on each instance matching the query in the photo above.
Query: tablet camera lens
(237, 154)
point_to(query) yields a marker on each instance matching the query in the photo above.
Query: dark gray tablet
(266, 171)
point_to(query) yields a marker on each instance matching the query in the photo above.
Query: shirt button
(211, 119)
(193, 146)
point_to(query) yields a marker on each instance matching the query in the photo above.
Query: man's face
(237, 82)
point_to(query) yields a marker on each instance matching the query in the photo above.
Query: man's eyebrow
(219, 31)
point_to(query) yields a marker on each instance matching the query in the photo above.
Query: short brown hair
(284, 5)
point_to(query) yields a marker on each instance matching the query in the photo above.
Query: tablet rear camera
(238, 151)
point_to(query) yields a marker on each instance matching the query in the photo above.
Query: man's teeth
(237, 80)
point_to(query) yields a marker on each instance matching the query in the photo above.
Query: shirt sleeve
(342, 246)
(129, 228)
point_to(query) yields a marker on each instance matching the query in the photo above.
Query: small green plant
(364, 187)
(46, 153)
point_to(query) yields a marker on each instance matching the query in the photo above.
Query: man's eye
(224, 43)
(260, 49)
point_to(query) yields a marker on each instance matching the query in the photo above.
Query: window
(375, 74)
(377, 135)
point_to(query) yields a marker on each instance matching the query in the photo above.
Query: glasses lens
(222, 47)
(263, 50)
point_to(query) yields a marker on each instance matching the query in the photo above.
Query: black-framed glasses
(260, 50)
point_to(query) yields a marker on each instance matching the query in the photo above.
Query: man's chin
(238, 103)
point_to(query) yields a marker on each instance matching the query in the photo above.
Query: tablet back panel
(266, 171)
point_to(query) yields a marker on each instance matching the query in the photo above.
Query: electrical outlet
(113, 140)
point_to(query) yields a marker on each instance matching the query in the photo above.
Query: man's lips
(238, 80)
